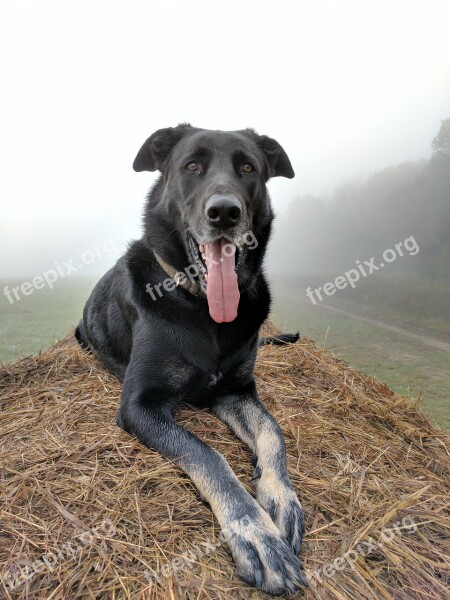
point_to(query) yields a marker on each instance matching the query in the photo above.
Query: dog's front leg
(262, 557)
(248, 418)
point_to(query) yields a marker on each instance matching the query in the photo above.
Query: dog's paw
(263, 558)
(280, 501)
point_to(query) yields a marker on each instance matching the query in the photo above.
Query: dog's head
(212, 194)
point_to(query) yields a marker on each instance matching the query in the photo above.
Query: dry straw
(370, 469)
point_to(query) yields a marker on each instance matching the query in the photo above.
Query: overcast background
(346, 87)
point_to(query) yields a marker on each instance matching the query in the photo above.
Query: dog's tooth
(201, 248)
(203, 256)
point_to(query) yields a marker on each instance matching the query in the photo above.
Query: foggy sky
(347, 88)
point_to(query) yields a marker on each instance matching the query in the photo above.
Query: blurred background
(358, 94)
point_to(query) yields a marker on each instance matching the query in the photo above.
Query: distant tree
(434, 260)
(441, 143)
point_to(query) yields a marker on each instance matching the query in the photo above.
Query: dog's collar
(180, 278)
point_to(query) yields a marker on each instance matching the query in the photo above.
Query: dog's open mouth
(217, 263)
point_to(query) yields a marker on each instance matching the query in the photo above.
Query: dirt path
(424, 339)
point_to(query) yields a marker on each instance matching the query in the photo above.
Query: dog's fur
(170, 350)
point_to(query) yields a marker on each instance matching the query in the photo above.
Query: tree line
(362, 219)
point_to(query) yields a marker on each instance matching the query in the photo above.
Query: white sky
(346, 87)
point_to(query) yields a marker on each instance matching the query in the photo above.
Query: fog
(347, 88)
(408, 204)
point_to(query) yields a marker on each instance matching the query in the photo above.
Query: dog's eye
(192, 166)
(248, 168)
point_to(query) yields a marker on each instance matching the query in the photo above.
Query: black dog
(177, 319)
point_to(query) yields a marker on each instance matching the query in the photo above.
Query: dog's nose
(223, 210)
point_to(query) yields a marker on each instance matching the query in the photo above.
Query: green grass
(405, 299)
(408, 367)
(36, 321)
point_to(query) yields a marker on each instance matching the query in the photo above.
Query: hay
(372, 474)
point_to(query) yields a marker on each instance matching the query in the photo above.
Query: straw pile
(87, 512)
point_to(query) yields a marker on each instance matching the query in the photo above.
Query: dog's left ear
(157, 148)
(277, 159)
(279, 163)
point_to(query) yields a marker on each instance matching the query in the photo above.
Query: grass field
(37, 320)
(407, 300)
(408, 367)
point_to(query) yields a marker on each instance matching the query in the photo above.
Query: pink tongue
(222, 289)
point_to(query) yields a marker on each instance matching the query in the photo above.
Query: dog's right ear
(157, 148)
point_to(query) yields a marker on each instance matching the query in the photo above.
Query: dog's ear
(157, 148)
(277, 159)
(279, 163)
